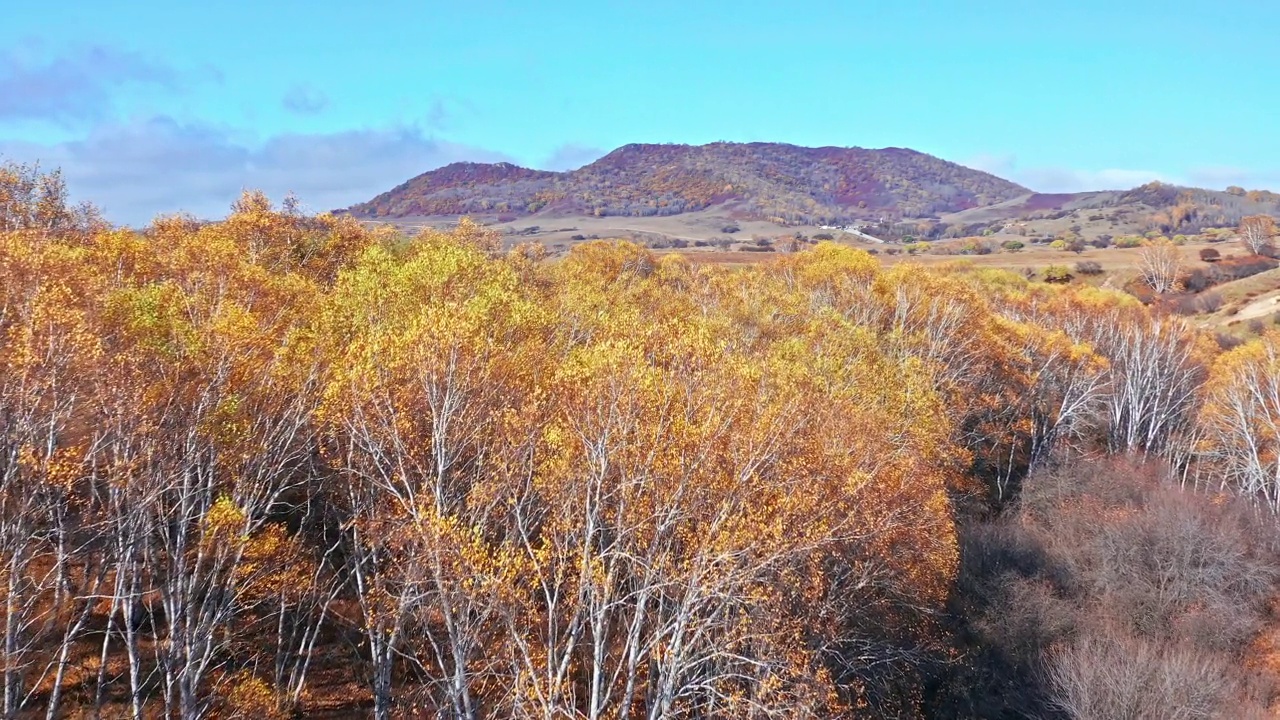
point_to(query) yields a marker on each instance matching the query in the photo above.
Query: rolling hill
(785, 184)
(1154, 207)
(662, 195)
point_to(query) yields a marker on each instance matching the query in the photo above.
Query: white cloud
(1220, 177)
(571, 156)
(998, 165)
(1063, 179)
(139, 169)
(1067, 180)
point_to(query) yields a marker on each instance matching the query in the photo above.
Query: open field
(559, 232)
(1033, 256)
(704, 241)
(1249, 298)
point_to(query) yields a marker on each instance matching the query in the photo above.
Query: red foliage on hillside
(763, 180)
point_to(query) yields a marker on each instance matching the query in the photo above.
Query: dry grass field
(559, 232)
(1249, 299)
(701, 237)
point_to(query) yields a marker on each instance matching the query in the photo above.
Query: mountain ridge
(779, 182)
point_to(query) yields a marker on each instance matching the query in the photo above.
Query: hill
(785, 184)
(1154, 207)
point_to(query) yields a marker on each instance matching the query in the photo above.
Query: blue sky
(156, 106)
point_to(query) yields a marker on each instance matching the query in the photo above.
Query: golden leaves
(224, 519)
(684, 460)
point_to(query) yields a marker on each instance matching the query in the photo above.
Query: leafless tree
(1160, 264)
(1257, 233)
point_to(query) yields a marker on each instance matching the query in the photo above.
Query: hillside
(786, 184)
(1159, 207)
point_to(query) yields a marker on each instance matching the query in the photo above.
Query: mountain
(782, 183)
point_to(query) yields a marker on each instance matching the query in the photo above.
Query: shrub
(1013, 245)
(824, 236)
(1129, 241)
(1114, 674)
(975, 246)
(1089, 267)
(1227, 341)
(1197, 279)
(1235, 268)
(1210, 255)
(1058, 245)
(1147, 610)
(1102, 241)
(1057, 274)
(1182, 304)
(730, 229)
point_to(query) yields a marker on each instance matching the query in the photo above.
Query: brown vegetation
(1111, 591)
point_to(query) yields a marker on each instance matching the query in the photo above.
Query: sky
(154, 106)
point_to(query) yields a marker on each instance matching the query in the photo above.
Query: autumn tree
(1240, 423)
(34, 200)
(483, 485)
(1256, 232)
(1160, 264)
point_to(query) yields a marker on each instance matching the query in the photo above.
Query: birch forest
(284, 465)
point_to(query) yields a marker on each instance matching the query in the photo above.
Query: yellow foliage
(523, 458)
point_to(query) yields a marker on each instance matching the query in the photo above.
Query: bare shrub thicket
(1111, 592)
(1129, 677)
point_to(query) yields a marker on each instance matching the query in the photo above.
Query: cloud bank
(1063, 179)
(1069, 180)
(136, 170)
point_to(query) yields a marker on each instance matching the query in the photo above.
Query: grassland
(1252, 298)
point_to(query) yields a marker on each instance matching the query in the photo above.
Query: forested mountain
(759, 180)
